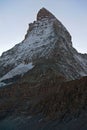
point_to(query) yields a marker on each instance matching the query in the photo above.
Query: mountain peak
(44, 13)
(47, 42)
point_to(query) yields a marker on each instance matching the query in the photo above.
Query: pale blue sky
(15, 15)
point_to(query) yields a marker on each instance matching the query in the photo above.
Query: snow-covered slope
(46, 39)
(42, 35)
(19, 70)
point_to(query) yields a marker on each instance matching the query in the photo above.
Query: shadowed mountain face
(41, 80)
(48, 104)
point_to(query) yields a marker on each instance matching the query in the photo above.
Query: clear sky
(15, 15)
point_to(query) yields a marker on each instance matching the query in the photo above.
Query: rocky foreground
(46, 105)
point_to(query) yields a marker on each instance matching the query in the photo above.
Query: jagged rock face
(43, 13)
(56, 104)
(46, 40)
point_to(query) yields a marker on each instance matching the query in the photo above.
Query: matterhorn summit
(47, 45)
(44, 13)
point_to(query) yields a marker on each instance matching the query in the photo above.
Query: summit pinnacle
(44, 13)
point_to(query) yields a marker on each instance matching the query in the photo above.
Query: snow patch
(19, 70)
(2, 84)
(83, 63)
